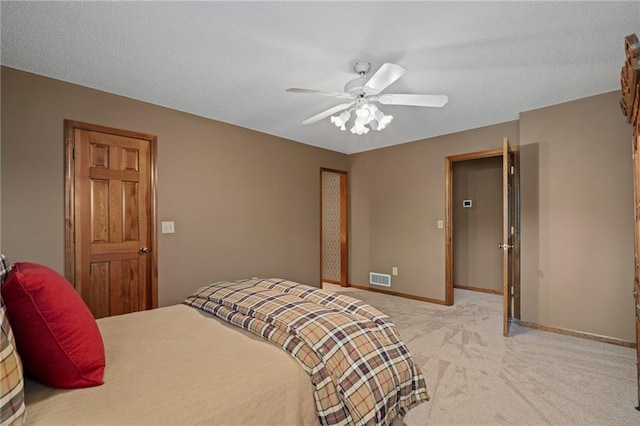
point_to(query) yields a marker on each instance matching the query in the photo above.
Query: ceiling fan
(361, 95)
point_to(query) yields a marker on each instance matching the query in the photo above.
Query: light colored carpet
(475, 376)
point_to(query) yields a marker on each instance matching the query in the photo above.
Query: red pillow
(56, 335)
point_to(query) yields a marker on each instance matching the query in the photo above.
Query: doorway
(508, 244)
(477, 224)
(110, 211)
(334, 249)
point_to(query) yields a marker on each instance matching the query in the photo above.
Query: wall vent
(380, 279)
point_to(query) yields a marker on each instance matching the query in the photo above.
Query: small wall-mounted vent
(380, 279)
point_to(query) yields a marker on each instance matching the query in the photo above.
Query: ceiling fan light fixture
(359, 128)
(366, 115)
(382, 120)
(341, 120)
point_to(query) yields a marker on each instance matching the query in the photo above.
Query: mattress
(180, 365)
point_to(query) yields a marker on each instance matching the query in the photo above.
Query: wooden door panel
(130, 195)
(99, 202)
(99, 156)
(108, 174)
(109, 251)
(113, 181)
(130, 160)
(98, 290)
(127, 292)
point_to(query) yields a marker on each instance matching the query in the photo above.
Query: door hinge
(513, 230)
(513, 170)
(512, 291)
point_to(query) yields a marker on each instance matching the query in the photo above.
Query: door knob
(504, 246)
(143, 249)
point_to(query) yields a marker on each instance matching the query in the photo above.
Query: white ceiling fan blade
(383, 78)
(339, 95)
(327, 113)
(414, 100)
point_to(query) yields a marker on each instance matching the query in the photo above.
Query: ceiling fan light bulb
(339, 121)
(384, 120)
(363, 112)
(381, 120)
(359, 127)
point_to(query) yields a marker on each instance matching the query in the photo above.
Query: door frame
(449, 162)
(636, 213)
(344, 227)
(70, 126)
(630, 103)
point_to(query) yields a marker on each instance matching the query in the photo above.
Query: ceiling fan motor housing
(362, 67)
(355, 87)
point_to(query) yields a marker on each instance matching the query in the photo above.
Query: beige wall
(577, 214)
(577, 217)
(477, 230)
(397, 196)
(244, 203)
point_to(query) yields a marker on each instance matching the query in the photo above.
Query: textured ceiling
(232, 61)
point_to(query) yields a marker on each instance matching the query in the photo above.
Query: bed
(239, 353)
(160, 369)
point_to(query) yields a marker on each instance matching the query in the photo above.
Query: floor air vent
(380, 279)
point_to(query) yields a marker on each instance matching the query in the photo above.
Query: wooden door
(508, 172)
(111, 217)
(511, 228)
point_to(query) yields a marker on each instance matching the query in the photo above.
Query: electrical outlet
(394, 270)
(168, 228)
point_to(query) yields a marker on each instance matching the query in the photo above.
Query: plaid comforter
(362, 373)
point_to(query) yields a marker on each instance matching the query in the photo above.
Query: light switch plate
(168, 228)
(440, 224)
